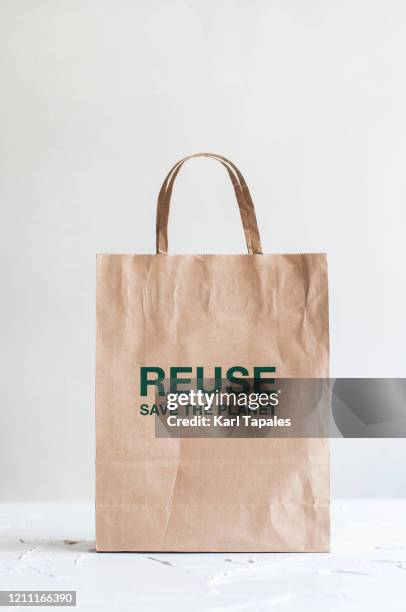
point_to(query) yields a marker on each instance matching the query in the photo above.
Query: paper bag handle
(245, 204)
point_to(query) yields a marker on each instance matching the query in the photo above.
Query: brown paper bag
(207, 310)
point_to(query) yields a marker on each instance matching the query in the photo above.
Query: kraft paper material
(221, 494)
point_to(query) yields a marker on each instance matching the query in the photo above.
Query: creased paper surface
(207, 494)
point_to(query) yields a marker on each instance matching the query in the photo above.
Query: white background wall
(99, 98)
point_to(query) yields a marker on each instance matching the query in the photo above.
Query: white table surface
(51, 546)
